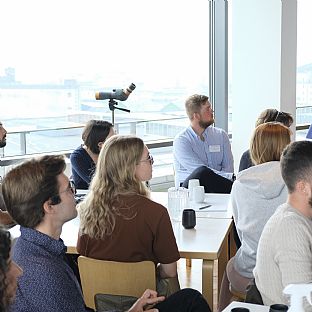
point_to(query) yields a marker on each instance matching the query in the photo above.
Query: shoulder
(78, 152)
(184, 134)
(290, 225)
(147, 208)
(246, 154)
(216, 131)
(217, 134)
(147, 203)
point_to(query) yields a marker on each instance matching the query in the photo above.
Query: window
(56, 54)
(304, 66)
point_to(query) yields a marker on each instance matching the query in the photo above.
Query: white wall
(262, 30)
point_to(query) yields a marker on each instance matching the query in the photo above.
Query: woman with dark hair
(84, 158)
(9, 272)
(268, 115)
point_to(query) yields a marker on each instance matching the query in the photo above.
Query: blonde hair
(114, 176)
(268, 141)
(194, 103)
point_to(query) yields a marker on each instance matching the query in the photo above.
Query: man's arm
(149, 298)
(168, 270)
(293, 254)
(81, 166)
(228, 161)
(189, 160)
(185, 155)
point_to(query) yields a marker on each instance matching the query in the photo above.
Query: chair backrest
(115, 278)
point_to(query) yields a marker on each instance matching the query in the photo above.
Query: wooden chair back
(114, 278)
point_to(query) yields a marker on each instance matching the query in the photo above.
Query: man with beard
(3, 133)
(202, 151)
(4, 216)
(284, 252)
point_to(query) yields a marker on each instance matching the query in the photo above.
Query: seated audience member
(40, 198)
(270, 114)
(309, 134)
(256, 194)
(9, 272)
(5, 218)
(284, 253)
(84, 158)
(202, 151)
(186, 300)
(3, 134)
(118, 220)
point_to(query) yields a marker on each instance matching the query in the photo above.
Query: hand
(149, 298)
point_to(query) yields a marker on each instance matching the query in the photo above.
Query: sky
(115, 42)
(304, 26)
(151, 41)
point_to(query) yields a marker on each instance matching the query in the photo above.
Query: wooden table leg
(232, 243)
(207, 281)
(222, 262)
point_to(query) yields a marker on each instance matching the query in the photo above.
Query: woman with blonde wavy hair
(118, 220)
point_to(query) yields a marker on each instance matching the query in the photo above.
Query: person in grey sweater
(256, 194)
(284, 253)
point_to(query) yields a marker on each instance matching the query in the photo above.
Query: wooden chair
(115, 278)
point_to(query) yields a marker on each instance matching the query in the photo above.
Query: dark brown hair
(272, 114)
(296, 163)
(5, 247)
(94, 132)
(26, 187)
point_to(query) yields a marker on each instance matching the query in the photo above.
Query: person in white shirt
(284, 252)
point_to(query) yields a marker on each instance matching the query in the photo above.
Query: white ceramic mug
(198, 194)
(192, 183)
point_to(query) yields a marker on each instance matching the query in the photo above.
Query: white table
(221, 207)
(251, 307)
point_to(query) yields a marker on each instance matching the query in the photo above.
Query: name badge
(214, 148)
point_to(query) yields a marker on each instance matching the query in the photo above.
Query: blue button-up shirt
(48, 284)
(190, 152)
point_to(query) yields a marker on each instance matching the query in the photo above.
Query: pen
(204, 207)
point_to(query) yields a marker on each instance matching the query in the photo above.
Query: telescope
(116, 94)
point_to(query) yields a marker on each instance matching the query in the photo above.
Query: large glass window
(56, 54)
(304, 65)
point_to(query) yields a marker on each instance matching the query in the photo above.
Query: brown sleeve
(165, 245)
(5, 218)
(82, 244)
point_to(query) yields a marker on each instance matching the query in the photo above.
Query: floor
(190, 277)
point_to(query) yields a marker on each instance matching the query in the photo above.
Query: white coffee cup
(198, 194)
(192, 183)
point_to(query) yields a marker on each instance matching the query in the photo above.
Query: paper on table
(203, 207)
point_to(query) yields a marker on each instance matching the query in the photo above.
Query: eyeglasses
(71, 187)
(56, 199)
(149, 158)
